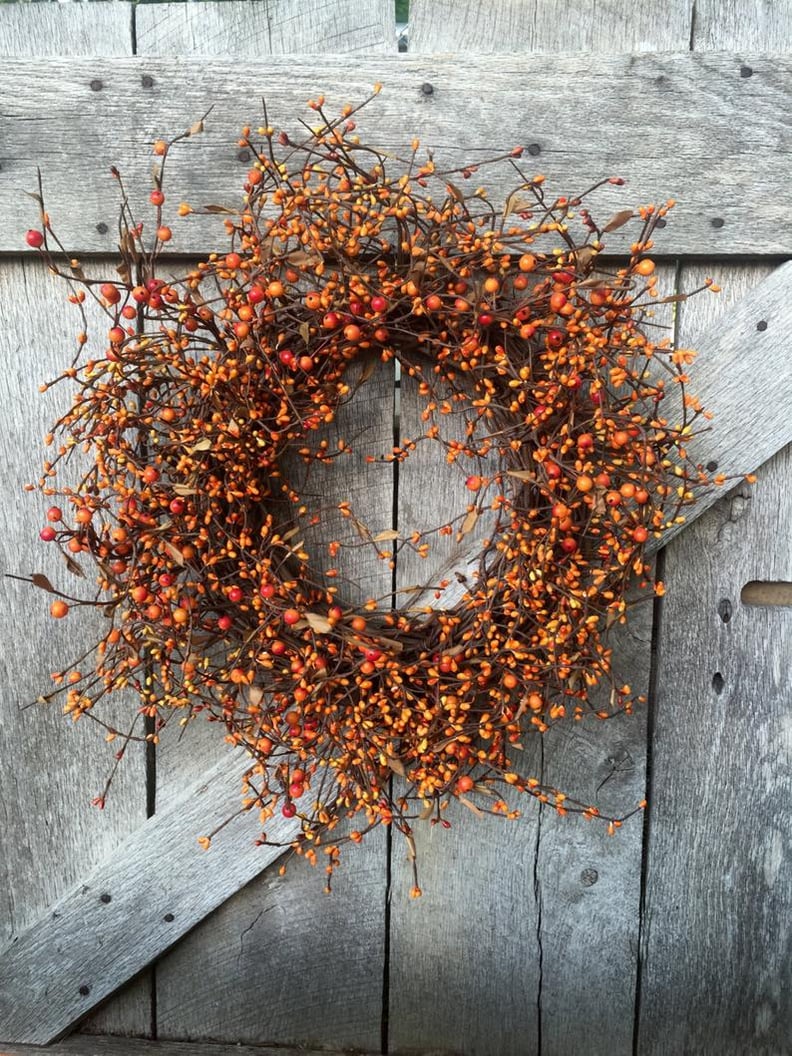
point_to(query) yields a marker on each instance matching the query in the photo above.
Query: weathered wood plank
(49, 768)
(65, 29)
(281, 935)
(78, 1045)
(589, 884)
(715, 950)
(625, 112)
(759, 25)
(742, 364)
(548, 26)
(250, 28)
(160, 884)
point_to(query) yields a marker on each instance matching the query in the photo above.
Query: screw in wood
(746, 71)
(105, 898)
(725, 609)
(717, 221)
(534, 149)
(101, 228)
(589, 877)
(427, 88)
(147, 81)
(96, 85)
(761, 326)
(85, 990)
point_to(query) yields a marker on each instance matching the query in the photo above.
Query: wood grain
(250, 28)
(716, 967)
(160, 884)
(752, 25)
(627, 113)
(58, 29)
(282, 936)
(50, 769)
(549, 26)
(78, 1045)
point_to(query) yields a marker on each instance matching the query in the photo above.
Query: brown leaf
(193, 130)
(317, 623)
(255, 695)
(469, 522)
(305, 331)
(173, 553)
(471, 806)
(396, 765)
(454, 191)
(618, 220)
(183, 489)
(73, 567)
(219, 209)
(386, 536)
(202, 445)
(521, 474)
(39, 580)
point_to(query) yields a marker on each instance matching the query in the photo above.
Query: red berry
(177, 506)
(553, 471)
(373, 654)
(47, 533)
(150, 475)
(286, 357)
(486, 319)
(34, 238)
(331, 321)
(555, 337)
(232, 260)
(110, 292)
(54, 513)
(140, 294)
(116, 335)
(640, 534)
(255, 295)
(129, 312)
(236, 594)
(464, 783)
(288, 810)
(267, 590)
(156, 197)
(291, 616)
(569, 545)
(564, 277)
(296, 789)
(378, 304)
(278, 648)
(473, 483)
(224, 623)
(165, 580)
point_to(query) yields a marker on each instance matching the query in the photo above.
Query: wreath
(208, 385)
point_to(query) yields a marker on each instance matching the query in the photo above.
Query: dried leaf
(521, 474)
(193, 130)
(471, 806)
(301, 258)
(454, 191)
(305, 331)
(618, 220)
(183, 489)
(255, 695)
(202, 445)
(386, 536)
(39, 580)
(317, 623)
(396, 765)
(173, 553)
(219, 209)
(427, 812)
(73, 567)
(469, 522)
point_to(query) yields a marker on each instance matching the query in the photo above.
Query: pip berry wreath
(206, 383)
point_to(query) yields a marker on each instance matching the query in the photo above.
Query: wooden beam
(133, 907)
(84, 1045)
(628, 115)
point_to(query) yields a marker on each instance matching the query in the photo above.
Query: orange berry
(527, 262)
(645, 266)
(584, 483)
(59, 609)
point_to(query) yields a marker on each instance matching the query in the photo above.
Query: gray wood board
(50, 769)
(282, 935)
(549, 26)
(160, 883)
(253, 28)
(79, 1045)
(627, 115)
(57, 29)
(715, 945)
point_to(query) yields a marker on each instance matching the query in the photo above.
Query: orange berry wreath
(207, 382)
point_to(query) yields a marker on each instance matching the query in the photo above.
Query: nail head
(589, 877)
(761, 326)
(147, 80)
(96, 85)
(717, 221)
(427, 88)
(105, 898)
(85, 990)
(534, 149)
(746, 71)
(101, 228)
